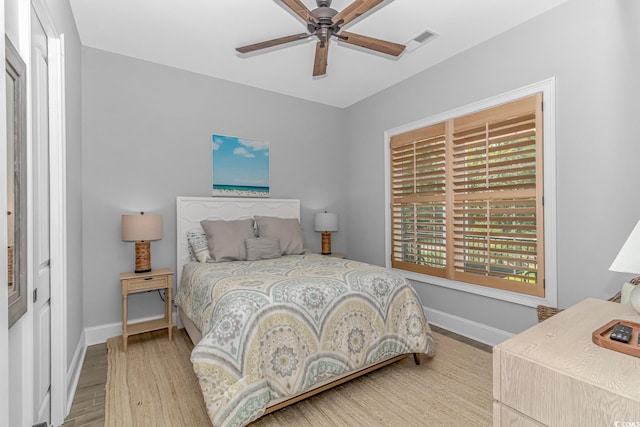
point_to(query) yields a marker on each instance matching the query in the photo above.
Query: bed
(272, 330)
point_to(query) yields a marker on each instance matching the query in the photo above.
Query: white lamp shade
(326, 221)
(141, 227)
(628, 259)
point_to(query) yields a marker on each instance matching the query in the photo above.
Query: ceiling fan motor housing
(324, 14)
(325, 26)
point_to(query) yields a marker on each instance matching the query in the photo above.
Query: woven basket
(544, 312)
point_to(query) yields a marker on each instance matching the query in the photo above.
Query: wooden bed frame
(191, 210)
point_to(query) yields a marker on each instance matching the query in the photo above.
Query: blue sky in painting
(239, 161)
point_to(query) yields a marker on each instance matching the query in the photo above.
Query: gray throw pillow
(225, 239)
(286, 230)
(262, 248)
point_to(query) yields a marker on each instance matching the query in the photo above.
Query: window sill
(513, 297)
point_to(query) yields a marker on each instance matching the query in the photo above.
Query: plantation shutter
(418, 201)
(497, 183)
(466, 198)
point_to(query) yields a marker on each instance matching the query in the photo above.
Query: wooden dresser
(553, 375)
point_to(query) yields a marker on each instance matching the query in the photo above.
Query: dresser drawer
(559, 399)
(144, 284)
(503, 416)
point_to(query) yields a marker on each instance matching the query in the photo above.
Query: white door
(41, 221)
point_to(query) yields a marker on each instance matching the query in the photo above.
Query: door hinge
(35, 298)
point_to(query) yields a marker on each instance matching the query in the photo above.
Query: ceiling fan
(325, 23)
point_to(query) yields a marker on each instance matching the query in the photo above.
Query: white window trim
(547, 87)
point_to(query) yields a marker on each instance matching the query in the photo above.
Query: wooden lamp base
(143, 257)
(326, 243)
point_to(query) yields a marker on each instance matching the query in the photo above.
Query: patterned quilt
(277, 328)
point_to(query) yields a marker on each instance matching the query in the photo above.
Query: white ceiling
(201, 36)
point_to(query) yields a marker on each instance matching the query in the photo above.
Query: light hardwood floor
(88, 404)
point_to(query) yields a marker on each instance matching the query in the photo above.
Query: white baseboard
(465, 327)
(101, 333)
(73, 374)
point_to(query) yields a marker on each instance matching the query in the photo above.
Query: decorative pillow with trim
(198, 249)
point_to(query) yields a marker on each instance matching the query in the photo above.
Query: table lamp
(628, 261)
(326, 222)
(142, 229)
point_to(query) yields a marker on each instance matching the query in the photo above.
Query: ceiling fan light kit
(326, 23)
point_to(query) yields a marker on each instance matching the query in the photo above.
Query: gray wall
(65, 24)
(591, 47)
(146, 132)
(146, 139)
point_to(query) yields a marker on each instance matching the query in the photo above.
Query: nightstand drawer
(138, 285)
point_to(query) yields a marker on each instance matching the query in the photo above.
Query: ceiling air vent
(420, 40)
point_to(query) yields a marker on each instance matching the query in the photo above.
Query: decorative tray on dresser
(602, 337)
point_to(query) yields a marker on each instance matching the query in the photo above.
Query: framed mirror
(16, 182)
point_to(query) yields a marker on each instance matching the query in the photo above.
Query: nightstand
(336, 255)
(142, 282)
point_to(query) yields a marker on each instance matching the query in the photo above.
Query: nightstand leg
(124, 322)
(169, 310)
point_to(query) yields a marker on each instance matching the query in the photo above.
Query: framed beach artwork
(240, 167)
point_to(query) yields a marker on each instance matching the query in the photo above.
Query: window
(467, 198)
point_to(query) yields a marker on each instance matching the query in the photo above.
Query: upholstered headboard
(191, 210)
